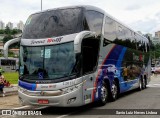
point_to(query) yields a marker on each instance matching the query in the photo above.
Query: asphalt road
(142, 101)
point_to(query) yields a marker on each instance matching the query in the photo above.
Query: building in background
(2, 25)
(20, 25)
(149, 36)
(15, 51)
(157, 34)
(10, 25)
(1, 47)
(156, 39)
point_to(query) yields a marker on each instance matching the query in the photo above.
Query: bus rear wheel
(114, 91)
(104, 94)
(144, 83)
(140, 85)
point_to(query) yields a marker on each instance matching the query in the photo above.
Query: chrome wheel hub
(114, 90)
(103, 93)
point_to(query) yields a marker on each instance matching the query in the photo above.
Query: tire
(104, 94)
(114, 91)
(144, 83)
(140, 85)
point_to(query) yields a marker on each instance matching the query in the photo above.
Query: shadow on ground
(82, 110)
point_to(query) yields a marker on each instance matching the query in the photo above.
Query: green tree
(10, 54)
(7, 30)
(1, 31)
(155, 51)
(15, 31)
(10, 34)
(7, 38)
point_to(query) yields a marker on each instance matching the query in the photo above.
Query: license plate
(43, 101)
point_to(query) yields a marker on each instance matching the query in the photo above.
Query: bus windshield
(53, 23)
(47, 62)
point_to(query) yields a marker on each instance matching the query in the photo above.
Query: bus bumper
(73, 98)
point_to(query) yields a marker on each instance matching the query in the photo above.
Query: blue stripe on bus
(119, 66)
(114, 55)
(119, 62)
(28, 86)
(116, 58)
(112, 58)
(120, 59)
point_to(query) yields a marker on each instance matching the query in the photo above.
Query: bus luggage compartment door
(88, 88)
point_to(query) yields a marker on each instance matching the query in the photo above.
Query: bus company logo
(47, 86)
(51, 40)
(37, 42)
(52, 86)
(44, 86)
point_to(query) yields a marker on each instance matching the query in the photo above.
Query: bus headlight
(72, 88)
(27, 92)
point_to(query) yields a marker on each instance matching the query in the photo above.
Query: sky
(140, 15)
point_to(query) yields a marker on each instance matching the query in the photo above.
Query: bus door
(90, 48)
(88, 78)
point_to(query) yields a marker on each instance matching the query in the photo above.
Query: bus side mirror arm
(7, 44)
(80, 36)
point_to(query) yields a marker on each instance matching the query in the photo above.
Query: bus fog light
(71, 100)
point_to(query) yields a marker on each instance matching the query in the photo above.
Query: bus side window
(109, 29)
(94, 21)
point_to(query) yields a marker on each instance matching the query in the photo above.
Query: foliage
(10, 34)
(1, 31)
(7, 30)
(155, 51)
(10, 54)
(7, 38)
(12, 77)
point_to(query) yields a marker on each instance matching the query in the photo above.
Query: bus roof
(89, 7)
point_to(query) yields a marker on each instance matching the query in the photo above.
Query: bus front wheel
(104, 94)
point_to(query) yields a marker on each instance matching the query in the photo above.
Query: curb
(10, 91)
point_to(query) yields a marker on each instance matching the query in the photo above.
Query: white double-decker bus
(73, 56)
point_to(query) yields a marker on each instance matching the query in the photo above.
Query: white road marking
(153, 85)
(23, 107)
(38, 108)
(31, 107)
(62, 116)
